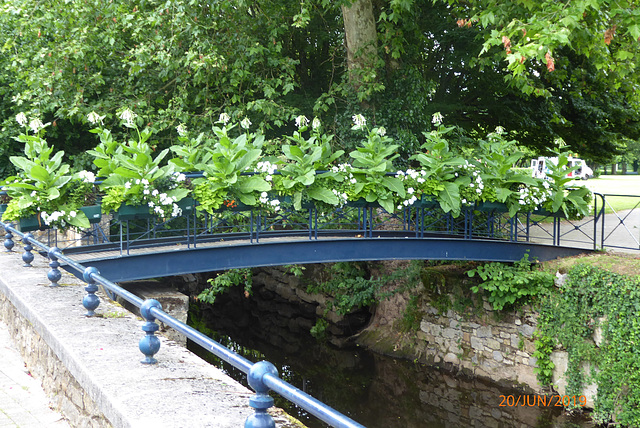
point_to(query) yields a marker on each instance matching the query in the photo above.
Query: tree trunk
(360, 39)
(613, 169)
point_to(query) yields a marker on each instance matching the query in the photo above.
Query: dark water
(374, 390)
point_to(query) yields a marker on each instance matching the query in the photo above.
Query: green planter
(187, 205)
(492, 207)
(93, 213)
(3, 208)
(362, 203)
(427, 201)
(138, 212)
(547, 213)
(32, 223)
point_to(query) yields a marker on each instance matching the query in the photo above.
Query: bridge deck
(157, 258)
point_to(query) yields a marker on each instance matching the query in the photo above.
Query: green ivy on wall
(594, 301)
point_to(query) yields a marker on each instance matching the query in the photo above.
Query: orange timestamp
(543, 401)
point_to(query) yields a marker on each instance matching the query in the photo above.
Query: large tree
(541, 69)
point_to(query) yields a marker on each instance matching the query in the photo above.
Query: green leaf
(449, 198)
(40, 174)
(322, 194)
(395, 185)
(253, 184)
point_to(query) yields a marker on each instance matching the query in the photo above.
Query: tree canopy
(542, 70)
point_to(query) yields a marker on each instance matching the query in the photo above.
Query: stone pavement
(23, 402)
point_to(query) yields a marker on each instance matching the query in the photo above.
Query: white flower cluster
(224, 118)
(161, 203)
(95, 118)
(342, 197)
(87, 176)
(182, 130)
(273, 203)
(343, 167)
(128, 116)
(410, 191)
(22, 120)
(57, 216)
(246, 123)
(418, 176)
(302, 121)
(316, 123)
(437, 119)
(534, 196)
(359, 120)
(268, 168)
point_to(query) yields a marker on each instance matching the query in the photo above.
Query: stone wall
(68, 397)
(481, 345)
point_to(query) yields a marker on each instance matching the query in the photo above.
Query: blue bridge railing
(262, 376)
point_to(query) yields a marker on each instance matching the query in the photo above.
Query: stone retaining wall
(67, 396)
(482, 346)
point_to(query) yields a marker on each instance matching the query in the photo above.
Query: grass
(626, 185)
(622, 264)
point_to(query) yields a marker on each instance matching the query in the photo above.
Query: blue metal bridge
(138, 248)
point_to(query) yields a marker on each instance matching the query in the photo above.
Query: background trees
(543, 70)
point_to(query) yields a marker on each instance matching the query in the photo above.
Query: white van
(583, 172)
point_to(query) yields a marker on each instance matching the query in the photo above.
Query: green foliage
(507, 285)
(412, 316)
(223, 281)
(349, 286)
(373, 159)
(43, 184)
(573, 202)
(135, 175)
(303, 158)
(227, 161)
(594, 299)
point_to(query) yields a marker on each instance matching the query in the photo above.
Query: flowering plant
(43, 185)
(137, 176)
(227, 174)
(304, 158)
(372, 168)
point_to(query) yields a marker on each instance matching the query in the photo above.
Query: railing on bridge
(485, 221)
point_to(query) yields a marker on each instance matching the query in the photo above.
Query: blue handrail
(262, 376)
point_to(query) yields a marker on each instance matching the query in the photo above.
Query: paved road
(23, 403)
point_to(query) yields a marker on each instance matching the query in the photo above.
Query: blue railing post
(27, 256)
(54, 274)
(149, 345)
(8, 240)
(90, 301)
(261, 401)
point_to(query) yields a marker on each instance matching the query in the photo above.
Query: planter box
(492, 207)
(126, 212)
(187, 205)
(362, 203)
(32, 223)
(93, 213)
(547, 213)
(427, 201)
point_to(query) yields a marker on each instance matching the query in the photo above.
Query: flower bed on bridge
(235, 169)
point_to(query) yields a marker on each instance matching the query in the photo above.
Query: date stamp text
(542, 401)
